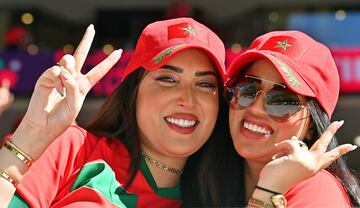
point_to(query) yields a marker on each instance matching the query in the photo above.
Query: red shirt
(80, 169)
(322, 190)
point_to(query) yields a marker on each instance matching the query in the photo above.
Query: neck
(252, 174)
(162, 176)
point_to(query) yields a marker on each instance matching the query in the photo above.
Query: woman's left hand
(294, 162)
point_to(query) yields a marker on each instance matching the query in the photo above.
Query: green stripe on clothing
(171, 193)
(18, 202)
(101, 178)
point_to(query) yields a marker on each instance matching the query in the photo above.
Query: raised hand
(302, 163)
(60, 92)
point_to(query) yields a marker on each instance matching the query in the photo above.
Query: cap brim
(162, 58)
(287, 69)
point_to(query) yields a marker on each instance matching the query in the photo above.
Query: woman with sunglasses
(282, 93)
(134, 152)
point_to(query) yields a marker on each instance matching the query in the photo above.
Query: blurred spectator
(17, 37)
(6, 97)
(178, 8)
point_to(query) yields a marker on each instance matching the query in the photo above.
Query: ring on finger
(302, 144)
(59, 65)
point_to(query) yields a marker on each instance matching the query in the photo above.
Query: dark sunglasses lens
(282, 103)
(246, 93)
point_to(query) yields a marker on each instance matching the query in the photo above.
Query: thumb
(71, 94)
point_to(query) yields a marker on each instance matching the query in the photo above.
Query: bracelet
(18, 152)
(6, 176)
(267, 190)
(256, 203)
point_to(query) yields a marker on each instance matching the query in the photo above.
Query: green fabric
(171, 193)
(18, 202)
(100, 177)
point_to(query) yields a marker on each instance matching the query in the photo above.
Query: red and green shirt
(80, 169)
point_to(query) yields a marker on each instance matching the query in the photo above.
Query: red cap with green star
(306, 66)
(161, 40)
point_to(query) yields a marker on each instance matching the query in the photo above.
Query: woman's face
(253, 131)
(177, 105)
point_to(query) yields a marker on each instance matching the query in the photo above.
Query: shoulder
(81, 143)
(321, 190)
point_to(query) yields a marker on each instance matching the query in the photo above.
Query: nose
(258, 106)
(186, 97)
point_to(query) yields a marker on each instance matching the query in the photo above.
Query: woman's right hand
(59, 95)
(294, 163)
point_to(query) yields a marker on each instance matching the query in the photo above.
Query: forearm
(24, 138)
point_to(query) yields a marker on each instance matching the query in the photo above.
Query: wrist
(31, 140)
(266, 198)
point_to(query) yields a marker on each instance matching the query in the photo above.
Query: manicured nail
(118, 51)
(294, 138)
(65, 74)
(353, 147)
(341, 123)
(61, 94)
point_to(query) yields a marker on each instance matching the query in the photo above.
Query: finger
(5, 84)
(334, 154)
(84, 46)
(288, 146)
(280, 154)
(95, 74)
(71, 89)
(56, 73)
(322, 143)
(68, 62)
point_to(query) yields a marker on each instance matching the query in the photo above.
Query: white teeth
(255, 128)
(181, 122)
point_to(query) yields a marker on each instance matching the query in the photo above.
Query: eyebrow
(180, 70)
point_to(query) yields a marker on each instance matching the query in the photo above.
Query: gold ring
(302, 144)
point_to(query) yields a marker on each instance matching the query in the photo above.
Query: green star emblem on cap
(283, 44)
(285, 68)
(165, 53)
(189, 30)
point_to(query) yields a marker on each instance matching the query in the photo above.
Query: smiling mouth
(256, 128)
(183, 123)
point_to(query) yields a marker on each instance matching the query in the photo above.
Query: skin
(258, 147)
(6, 97)
(185, 88)
(49, 115)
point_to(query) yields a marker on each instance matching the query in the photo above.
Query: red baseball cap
(161, 40)
(305, 65)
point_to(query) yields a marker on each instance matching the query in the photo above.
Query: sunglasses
(280, 102)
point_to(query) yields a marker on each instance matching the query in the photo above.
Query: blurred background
(35, 34)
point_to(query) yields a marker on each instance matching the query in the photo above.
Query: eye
(165, 79)
(277, 97)
(206, 85)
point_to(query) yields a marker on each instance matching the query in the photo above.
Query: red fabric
(305, 65)
(322, 190)
(158, 37)
(48, 182)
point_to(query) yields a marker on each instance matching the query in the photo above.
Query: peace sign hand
(302, 162)
(60, 93)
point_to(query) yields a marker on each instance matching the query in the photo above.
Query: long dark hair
(117, 119)
(347, 177)
(220, 180)
(219, 170)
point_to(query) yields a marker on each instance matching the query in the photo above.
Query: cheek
(292, 128)
(234, 123)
